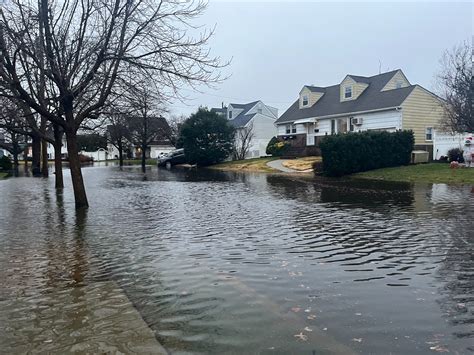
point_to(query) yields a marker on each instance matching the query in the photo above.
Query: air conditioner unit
(357, 121)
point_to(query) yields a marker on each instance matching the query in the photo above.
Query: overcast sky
(277, 47)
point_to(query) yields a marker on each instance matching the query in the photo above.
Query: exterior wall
(235, 111)
(398, 77)
(420, 110)
(357, 88)
(266, 110)
(384, 120)
(50, 149)
(264, 129)
(313, 97)
(281, 129)
(444, 141)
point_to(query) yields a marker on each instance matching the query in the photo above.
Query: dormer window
(259, 110)
(348, 92)
(398, 85)
(230, 115)
(305, 100)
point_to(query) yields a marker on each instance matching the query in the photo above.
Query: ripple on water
(237, 263)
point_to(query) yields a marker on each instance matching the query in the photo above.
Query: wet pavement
(213, 262)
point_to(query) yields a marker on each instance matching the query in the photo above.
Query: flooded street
(217, 262)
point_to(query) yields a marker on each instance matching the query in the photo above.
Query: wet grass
(256, 164)
(431, 173)
(3, 175)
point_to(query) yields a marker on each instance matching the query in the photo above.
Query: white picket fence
(443, 142)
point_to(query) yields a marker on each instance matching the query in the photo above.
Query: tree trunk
(143, 157)
(58, 164)
(44, 158)
(76, 174)
(120, 149)
(16, 151)
(36, 155)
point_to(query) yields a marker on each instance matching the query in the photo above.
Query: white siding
(443, 142)
(266, 110)
(281, 129)
(264, 129)
(387, 120)
(324, 127)
(300, 128)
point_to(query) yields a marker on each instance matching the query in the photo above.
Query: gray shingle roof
(245, 107)
(220, 111)
(370, 99)
(241, 120)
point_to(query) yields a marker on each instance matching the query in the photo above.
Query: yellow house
(386, 101)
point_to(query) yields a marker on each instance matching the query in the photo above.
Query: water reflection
(228, 262)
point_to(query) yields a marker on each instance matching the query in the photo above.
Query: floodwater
(217, 263)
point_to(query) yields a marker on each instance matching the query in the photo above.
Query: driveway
(277, 165)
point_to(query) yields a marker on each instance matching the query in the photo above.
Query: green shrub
(206, 137)
(276, 148)
(455, 154)
(350, 153)
(5, 163)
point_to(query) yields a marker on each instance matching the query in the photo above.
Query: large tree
(456, 79)
(62, 58)
(206, 137)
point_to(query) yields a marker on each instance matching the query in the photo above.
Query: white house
(258, 117)
(386, 101)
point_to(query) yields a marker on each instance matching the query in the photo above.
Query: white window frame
(230, 115)
(303, 99)
(431, 134)
(288, 129)
(398, 84)
(345, 92)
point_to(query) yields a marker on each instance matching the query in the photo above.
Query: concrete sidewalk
(278, 165)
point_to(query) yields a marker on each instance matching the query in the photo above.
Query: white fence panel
(443, 142)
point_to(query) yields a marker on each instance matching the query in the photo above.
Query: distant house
(158, 130)
(258, 117)
(220, 111)
(381, 102)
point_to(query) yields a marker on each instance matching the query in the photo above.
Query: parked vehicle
(172, 158)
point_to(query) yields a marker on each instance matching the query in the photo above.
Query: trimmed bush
(5, 163)
(455, 154)
(276, 148)
(350, 153)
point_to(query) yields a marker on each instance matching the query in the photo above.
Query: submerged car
(172, 158)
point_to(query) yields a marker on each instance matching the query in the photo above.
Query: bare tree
(117, 134)
(145, 123)
(174, 123)
(18, 119)
(243, 140)
(456, 79)
(86, 45)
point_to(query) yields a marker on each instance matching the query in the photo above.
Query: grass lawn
(432, 173)
(301, 164)
(256, 164)
(3, 175)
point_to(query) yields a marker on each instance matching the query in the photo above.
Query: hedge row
(350, 153)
